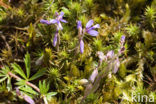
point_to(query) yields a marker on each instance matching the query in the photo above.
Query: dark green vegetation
(30, 67)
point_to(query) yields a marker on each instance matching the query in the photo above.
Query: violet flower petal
(60, 26)
(60, 17)
(110, 54)
(116, 65)
(81, 46)
(96, 26)
(122, 39)
(62, 20)
(101, 55)
(93, 32)
(45, 21)
(61, 14)
(93, 75)
(79, 25)
(56, 14)
(55, 39)
(93, 27)
(89, 24)
(28, 99)
(18, 92)
(53, 21)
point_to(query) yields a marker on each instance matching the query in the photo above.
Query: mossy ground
(21, 32)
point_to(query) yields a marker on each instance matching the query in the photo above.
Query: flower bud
(83, 81)
(93, 75)
(110, 54)
(101, 55)
(116, 65)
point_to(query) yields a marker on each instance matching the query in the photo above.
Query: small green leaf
(50, 94)
(2, 75)
(66, 10)
(28, 90)
(18, 70)
(21, 82)
(44, 87)
(3, 79)
(9, 85)
(38, 74)
(5, 70)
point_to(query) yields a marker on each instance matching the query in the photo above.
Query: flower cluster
(88, 29)
(109, 57)
(113, 63)
(112, 58)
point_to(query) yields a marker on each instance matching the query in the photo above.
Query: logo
(142, 98)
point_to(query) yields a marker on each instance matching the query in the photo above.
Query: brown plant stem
(33, 86)
(14, 27)
(28, 83)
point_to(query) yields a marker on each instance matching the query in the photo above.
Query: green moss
(22, 32)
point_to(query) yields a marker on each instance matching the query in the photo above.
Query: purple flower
(116, 65)
(122, 47)
(93, 75)
(79, 27)
(90, 30)
(122, 40)
(18, 92)
(57, 21)
(45, 22)
(101, 56)
(81, 46)
(110, 54)
(55, 39)
(28, 99)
